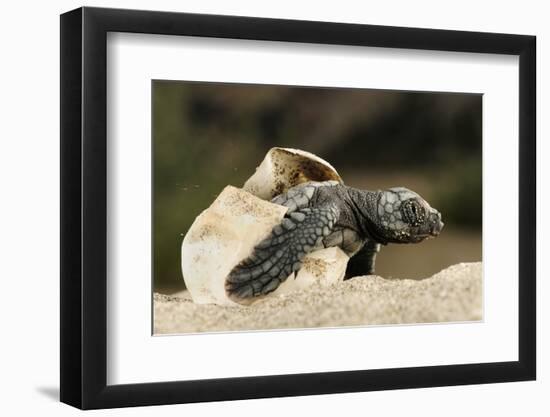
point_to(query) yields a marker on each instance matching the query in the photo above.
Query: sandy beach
(454, 294)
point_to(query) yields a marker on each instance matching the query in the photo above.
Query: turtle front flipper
(281, 253)
(362, 263)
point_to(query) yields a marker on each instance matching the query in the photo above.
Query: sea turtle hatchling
(326, 214)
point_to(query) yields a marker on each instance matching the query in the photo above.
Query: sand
(454, 294)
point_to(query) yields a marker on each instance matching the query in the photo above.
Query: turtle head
(405, 217)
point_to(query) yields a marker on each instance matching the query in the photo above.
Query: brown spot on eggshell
(305, 168)
(204, 232)
(316, 267)
(283, 168)
(240, 203)
(280, 187)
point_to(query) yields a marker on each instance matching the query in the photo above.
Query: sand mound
(454, 294)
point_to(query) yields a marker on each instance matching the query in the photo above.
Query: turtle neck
(364, 207)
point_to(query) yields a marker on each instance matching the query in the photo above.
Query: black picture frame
(83, 207)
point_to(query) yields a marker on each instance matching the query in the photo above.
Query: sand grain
(454, 294)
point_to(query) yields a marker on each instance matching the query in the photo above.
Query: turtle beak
(437, 224)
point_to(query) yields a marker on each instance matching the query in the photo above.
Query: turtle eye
(413, 213)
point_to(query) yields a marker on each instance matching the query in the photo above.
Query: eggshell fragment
(226, 232)
(283, 168)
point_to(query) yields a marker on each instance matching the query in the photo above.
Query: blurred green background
(208, 135)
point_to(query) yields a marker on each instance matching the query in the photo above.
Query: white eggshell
(226, 233)
(283, 168)
(220, 237)
(323, 267)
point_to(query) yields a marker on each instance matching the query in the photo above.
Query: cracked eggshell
(220, 237)
(323, 267)
(283, 168)
(225, 233)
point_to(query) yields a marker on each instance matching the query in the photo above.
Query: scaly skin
(327, 214)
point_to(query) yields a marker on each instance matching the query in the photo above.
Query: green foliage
(459, 193)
